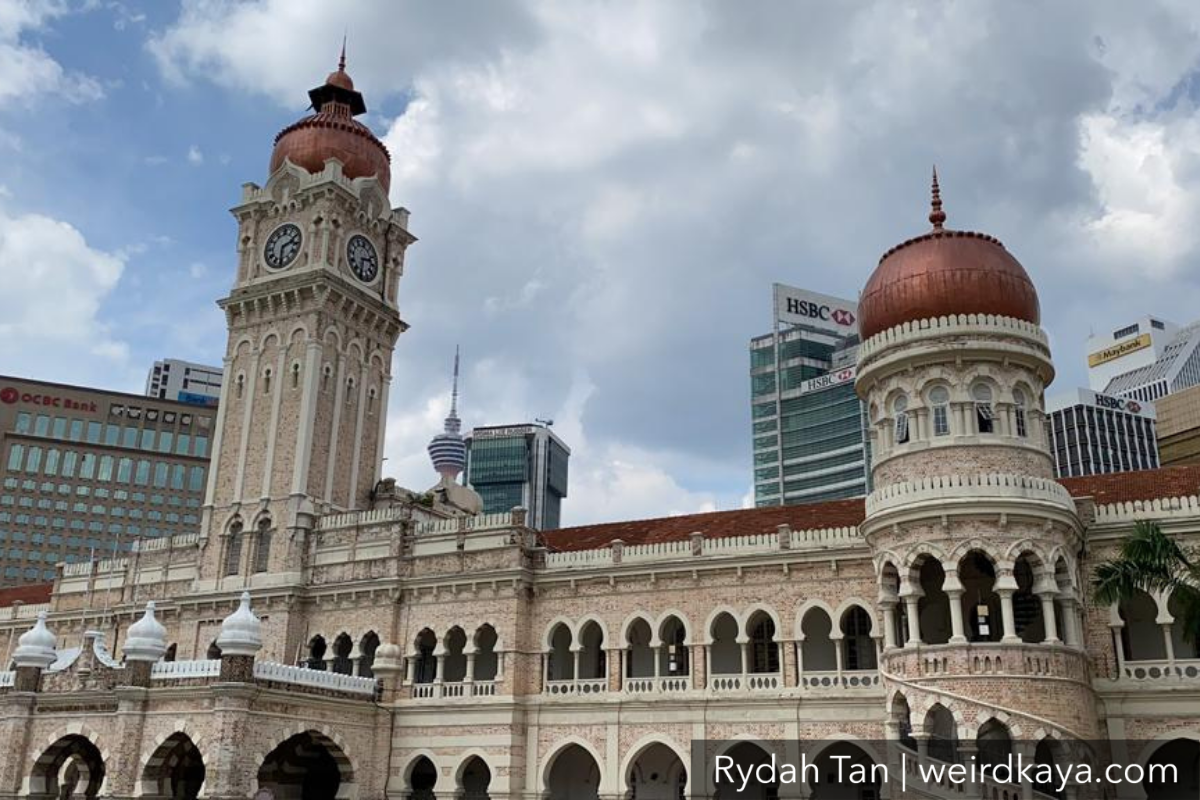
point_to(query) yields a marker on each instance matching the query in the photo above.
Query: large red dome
(332, 132)
(942, 273)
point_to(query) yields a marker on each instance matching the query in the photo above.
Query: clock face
(361, 256)
(283, 245)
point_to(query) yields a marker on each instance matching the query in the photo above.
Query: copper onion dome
(945, 272)
(332, 132)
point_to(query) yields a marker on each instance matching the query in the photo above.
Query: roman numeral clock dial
(283, 245)
(362, 258)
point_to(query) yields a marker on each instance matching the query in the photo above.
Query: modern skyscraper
(1092, 433)
(808, 424)
(1146, 360)
(184, 381)
(519, 465)
(88, 472)
(1179, 427)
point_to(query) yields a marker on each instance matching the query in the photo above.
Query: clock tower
(312, 321)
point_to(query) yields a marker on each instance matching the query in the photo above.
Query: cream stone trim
(1157, 508)
(359, 421)
(273, 425)
(247, 401)
(314, 353)
(959, 324)
(338, 402)
(967, 487)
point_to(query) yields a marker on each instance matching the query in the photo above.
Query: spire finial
(936, 215)
(342, 60)
(454, 391)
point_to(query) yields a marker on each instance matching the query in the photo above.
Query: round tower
(975, 544)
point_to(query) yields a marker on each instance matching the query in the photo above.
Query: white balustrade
(424, 691)
(483, 689)
(832, 679)
(580, 686)
(200, 668)
(1162, 670)
(763, 681)
(659, 685)
(721, 684)
(7, 679)
(318, 679)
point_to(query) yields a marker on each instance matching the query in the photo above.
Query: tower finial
(342, 60)
(454, 391)
(936, 215)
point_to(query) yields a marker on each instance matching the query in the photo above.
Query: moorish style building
(327, 634)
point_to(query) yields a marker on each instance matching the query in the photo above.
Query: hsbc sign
(1118, 403)
(798, 307)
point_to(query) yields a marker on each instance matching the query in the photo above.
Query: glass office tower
(519, 465)
(808, 425)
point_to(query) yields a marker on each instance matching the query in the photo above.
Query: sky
(603, 192)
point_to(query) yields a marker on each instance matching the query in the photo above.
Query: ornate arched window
(296, 375)
(1019, 406)
(267, 380)
(233, 549)
(240, 385)
(900, 411)
(985, 417)
(939, 403)
(262, 552)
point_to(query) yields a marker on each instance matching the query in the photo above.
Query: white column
(247, 408)
(338, 402)
(958, 633)
(310, 388)
(889, 626)
(470, 676)
(1166, 632)
(914, 620)
(1006, 614)
(273, 425)
(360, 420)
(1050, 623)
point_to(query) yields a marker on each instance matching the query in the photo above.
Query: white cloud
(609, 189)
(26, 70)
(194, 156)
(54, 286)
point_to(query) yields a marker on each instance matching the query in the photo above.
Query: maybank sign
(1119, 350)
(798, 307)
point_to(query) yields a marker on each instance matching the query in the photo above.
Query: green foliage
(1151, 561)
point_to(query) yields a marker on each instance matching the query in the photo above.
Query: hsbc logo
(825, 313)
(1118, 404)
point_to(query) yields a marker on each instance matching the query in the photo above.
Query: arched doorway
(942, 731)
(993, 743)
(71, 767)
(366, 654)
(308, 766)
(639, 656)
(858, 648)
(657, 774)
(487, 663)
(175, 771)
(746, 758)
(818, 653)
(1181, 755)
(422, 778)
(475, 779)
(933, 607)
(980, 603)
(844, 771)
(725, 654)
(342, 647)
(573, 775)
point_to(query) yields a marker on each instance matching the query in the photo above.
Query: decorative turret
(240, 640)
(973, 539)
(145, 644)
(36, 647)
(35, 652)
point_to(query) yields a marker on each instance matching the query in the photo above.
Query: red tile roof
(34, 593)
(1125, 487)
(714, 525)
(1119, 487)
